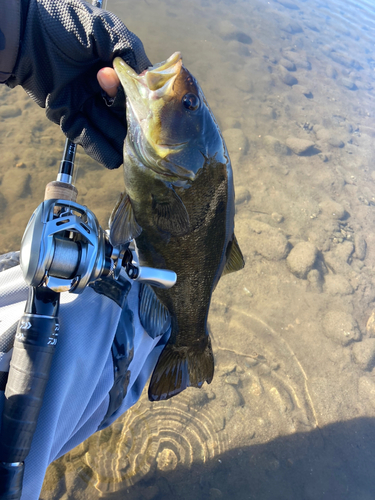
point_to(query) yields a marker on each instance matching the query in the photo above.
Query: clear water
(290, 412)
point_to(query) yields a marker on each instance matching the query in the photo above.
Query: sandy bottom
(290, 412)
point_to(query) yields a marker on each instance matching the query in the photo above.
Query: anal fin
(122, 224)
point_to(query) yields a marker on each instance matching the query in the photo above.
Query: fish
(178, 206)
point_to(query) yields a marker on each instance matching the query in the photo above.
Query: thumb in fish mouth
(108, 80)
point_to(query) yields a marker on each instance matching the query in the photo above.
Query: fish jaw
(147, 93)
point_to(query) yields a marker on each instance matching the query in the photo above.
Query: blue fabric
(76, 398)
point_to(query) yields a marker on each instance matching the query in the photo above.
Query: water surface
(290, 412)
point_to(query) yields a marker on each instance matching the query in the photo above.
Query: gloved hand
(64, 44)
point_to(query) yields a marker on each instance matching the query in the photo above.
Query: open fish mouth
(146, 94)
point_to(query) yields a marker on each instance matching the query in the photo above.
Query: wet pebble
(364, 354)
(7, 111)
(289, 65)
(341, 327)
(360, 247)
(268, 241)
(235, 140)
(242, 195)
(286, 77)
(299, 146)
(274, 146)
(302, 258)
(333, 209)
(335, 284)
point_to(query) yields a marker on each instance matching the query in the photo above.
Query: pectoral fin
(122, 223)
(235, 260)
(154, 316)
(170, 214)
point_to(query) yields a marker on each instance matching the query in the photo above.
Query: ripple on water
(259, 392)
(151, 438)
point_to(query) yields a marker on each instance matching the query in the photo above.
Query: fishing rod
(63, 249)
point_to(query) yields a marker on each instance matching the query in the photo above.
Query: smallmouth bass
(179, 208)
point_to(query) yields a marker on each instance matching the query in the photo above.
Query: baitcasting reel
(65, 249)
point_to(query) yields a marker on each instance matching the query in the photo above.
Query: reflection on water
(289, 414)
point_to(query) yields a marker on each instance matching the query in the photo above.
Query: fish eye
(191, 102)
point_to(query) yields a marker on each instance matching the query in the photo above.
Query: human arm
(64, 44)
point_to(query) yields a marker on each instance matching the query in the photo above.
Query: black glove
(64, 44)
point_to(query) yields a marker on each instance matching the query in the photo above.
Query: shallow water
(290, 412)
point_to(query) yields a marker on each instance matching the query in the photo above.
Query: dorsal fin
(122, 224)
(154, 316)
(235, 260)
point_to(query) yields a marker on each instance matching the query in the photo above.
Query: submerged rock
(228, 31)
(299, 146)
(302, 259)
(329, 137)
(364, 354)
(335, 284)
(289, 65)
(15, 184)
(292, 27)
(286, 77)
(347, 83)
(333, 209)
(360, 247)
(7, 111)
(341, 327)
(275, 146)
(268, 241)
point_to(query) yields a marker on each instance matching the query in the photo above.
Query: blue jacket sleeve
(10, 28)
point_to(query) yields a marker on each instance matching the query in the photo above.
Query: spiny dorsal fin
(154, 316)
(235, 260)
(170, 214)
(122, 223)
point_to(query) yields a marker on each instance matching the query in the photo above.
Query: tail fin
(181, 367)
